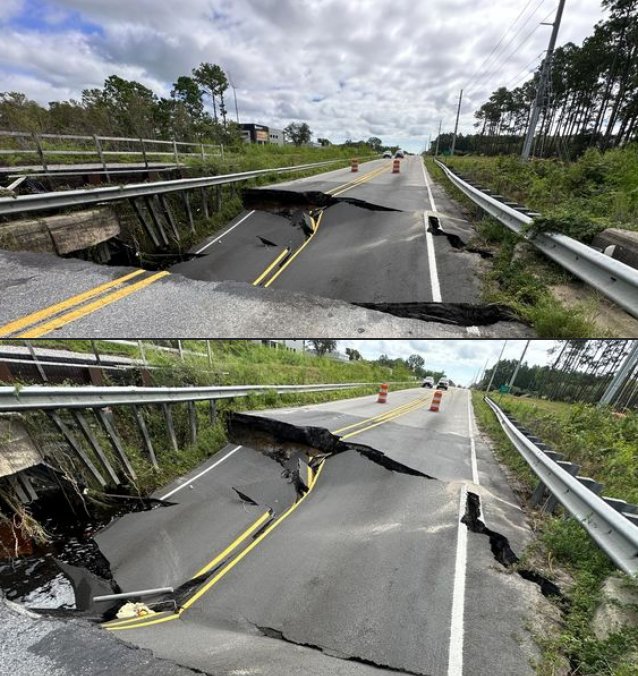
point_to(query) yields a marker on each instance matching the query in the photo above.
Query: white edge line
(455, 660)
(208, 469)
(434, 273)
(429, 241)
(470, 424)
(225, 232)
(427, 185)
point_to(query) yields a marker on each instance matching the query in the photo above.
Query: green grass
(563, 550)
(519, 277)
(582, 198)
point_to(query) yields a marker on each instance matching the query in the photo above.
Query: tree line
(130, 109)
(592, 100)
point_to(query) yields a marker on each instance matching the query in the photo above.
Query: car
(443, 384)
(387, 154)
(399, 154)
(428, 382)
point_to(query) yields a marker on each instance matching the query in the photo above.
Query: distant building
(276, 136)
(290, 345)
(254, 133)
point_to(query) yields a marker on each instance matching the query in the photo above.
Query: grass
(562, 549)
(579, 199)
(520, 277)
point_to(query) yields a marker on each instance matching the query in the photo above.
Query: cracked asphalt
(269, 275)
(371, 571)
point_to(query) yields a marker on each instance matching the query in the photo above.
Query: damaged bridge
(345, 537)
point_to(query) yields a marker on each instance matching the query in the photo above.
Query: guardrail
(102, 145)
(69, 198)
(33, 397)
(617, 281)
(613, 533)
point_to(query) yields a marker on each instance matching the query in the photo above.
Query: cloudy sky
(460, 359)
(350, 68)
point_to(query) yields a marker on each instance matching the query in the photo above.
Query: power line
(529, 2)
(498, 62)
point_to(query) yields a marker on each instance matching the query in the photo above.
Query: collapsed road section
(308, 552)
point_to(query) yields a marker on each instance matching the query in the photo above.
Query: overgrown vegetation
(591, 98)
(606, 447)
(519, 277)
(579, 199)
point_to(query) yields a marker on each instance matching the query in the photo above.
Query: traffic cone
(436, 401)
(396, 167)
(383, 394)
(354, 165)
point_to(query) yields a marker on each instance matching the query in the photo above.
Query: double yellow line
(284, 259)
(340, 189)
(159, 618)
(55, 316)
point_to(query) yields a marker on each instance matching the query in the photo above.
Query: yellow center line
(417, 405)
(58, 322)
(361, 179)
(41, 315)
(277, 260)
(385, 414)
(297, 252)
(136, 623)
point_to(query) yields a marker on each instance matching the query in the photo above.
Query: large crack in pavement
(281, 440)
(458, 314)
(269, 632)
(501, 549)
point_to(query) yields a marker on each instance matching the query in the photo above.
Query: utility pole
(546, 73)
(623, 373)
(518, 366)
(232, 84)
(438, 138)
(498, 361)
(456, 126)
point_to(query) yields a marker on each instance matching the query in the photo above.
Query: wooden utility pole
(546, 73)
(456, 126)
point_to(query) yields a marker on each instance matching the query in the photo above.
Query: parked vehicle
(387, 154)
(399, 154)
(428, 382)
(443, 384)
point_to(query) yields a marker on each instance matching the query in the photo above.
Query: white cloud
(391, 68)
(460, 359)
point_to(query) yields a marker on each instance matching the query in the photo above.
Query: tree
(415, 362)
(321, 347)
(298, 132)
(324, 142)
(375, 143)
(353, 355)
(212, 78)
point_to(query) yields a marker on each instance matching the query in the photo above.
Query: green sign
(504, 389)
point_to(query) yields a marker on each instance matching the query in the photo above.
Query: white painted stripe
(427, 185)
(239, 222)
(457, 629)
(473, 331)
(434, 273)
(470, 424)
(429, 241)
(201, 474)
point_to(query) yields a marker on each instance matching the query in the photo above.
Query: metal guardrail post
(98, 147)
(613, 533)
(617, 281)
(40, 151)
(175, 153)
(144, 152)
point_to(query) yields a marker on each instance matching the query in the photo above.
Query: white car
(428, 382)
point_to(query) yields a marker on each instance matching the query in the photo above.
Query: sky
(461, 360)
(349, 68)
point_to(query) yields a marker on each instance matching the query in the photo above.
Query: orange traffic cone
(354, 165)
(383, 394)
(396, 167)
(436, 401)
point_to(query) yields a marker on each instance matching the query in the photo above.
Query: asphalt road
(358, 253)
(376, 258)
(372, 570)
